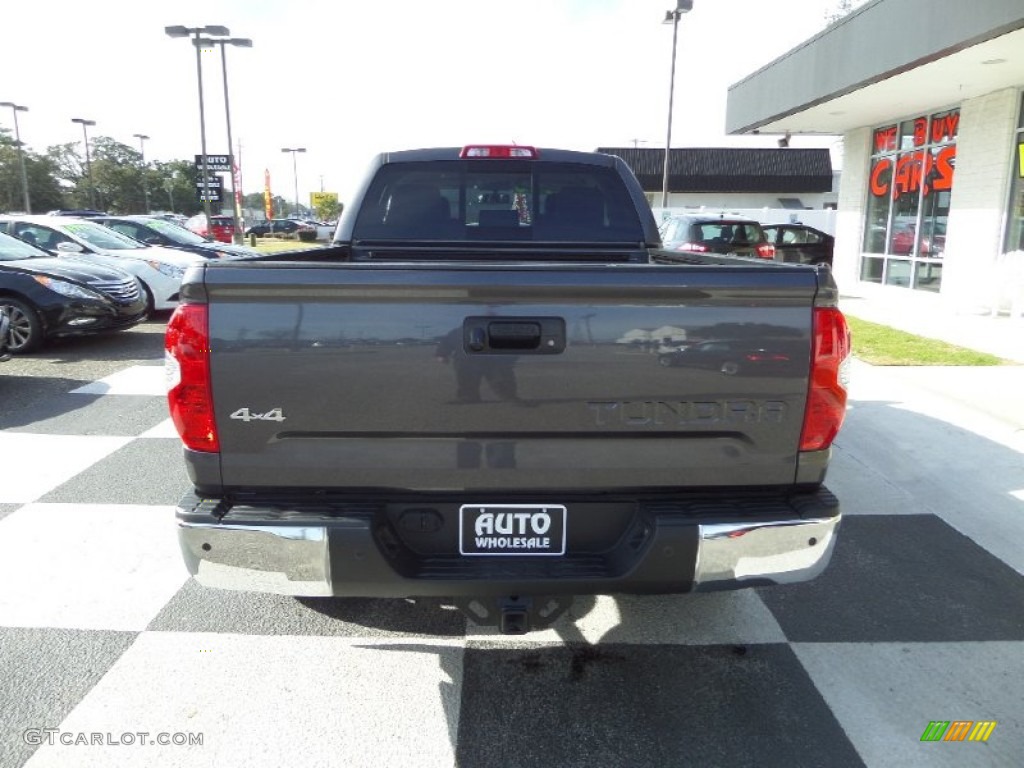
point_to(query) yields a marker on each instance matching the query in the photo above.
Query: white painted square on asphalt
(88, 566)
(35, 464)
(164, 429)
(272, 701)
(738, 617)
(885, 695)
(136, 380)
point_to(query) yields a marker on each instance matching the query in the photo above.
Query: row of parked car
(64, 275)
(727, 234)
(222, 228)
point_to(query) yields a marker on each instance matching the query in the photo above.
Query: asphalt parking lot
(919, 618)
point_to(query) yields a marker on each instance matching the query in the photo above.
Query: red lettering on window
(945, 161)
(944, 127)
(908, 174)
(920, 131)
(880, 177)
(885, 139)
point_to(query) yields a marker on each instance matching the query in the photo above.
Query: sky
(346, 79)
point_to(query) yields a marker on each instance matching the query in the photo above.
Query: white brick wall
(977, 216)
(852, 197)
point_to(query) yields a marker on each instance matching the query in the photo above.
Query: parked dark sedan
(740, 357)
(714, 233)
(800, 243)
(47, 297)
(5, 327)
(152, 230)
(279, 227)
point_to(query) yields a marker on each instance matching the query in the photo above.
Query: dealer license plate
(512, 529)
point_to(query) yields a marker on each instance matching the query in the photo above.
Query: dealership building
(927, 97)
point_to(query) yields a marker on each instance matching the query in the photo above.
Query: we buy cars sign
(214, 163)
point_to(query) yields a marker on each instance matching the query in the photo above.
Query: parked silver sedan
(159, 269)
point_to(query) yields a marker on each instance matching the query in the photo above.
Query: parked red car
(222, 228)
(934, 245)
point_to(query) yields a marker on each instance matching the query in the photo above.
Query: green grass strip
(881, 345)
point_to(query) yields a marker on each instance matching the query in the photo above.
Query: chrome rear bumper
(297, 559)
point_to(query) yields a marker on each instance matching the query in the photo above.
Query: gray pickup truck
(489, 390)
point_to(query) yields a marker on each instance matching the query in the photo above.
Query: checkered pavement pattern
(920, 617)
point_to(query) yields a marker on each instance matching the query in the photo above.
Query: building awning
(730, 169)
(883, 61)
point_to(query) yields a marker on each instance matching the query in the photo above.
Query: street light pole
(169, 186)
(88, 160)
(241, 42)
(142, 151)
(16, 108)
(672, 17)
(196, 33)
(295, 172)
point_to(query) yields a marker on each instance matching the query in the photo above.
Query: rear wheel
(730, 368)
(26, 332)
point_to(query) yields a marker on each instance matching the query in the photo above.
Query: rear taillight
(499, 151)
(826, 397)
(766, 251)
(692, 247)
(187, 370)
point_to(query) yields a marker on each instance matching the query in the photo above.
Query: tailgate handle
(506, 335)
(519, 335)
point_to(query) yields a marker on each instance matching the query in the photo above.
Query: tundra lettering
(661, 413)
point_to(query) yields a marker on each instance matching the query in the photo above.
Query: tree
(174, 183)
(254, 202)
(44, 191)
(69, 170)
(117, 174)
(60, 179)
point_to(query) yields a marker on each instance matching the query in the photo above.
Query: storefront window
(908, 200)
(1015, 219)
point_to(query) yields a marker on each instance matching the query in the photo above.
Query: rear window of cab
(497, 200)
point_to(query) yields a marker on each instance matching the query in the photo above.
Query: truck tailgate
(439, 377)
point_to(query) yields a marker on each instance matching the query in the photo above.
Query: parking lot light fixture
(88, 161)
(239, 42)
(672, 17)
(196, 33)
(142, 152)
(295, 172)
(16, 108)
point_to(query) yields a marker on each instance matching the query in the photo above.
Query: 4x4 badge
(244, 414)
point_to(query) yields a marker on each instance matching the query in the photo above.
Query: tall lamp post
(142, 151)
(169, 186)
(240, 42)
(197, 33)
(16, 108)
(295, 173)
(672, 17)
(88, 160)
